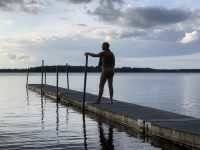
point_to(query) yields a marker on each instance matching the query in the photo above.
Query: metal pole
(27, 77)
(45, 76)
(67, 76)
(42, 76)
(85, 81)
(57, 83)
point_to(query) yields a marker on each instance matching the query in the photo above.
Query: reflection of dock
(178, 128)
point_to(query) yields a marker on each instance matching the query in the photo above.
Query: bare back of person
(107, 63)
(108, 59)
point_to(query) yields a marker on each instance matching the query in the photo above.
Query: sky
(142, 33)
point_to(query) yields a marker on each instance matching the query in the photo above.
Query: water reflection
(42, 112)
(84, 133)
(27, 96)
(57, 118)
(145, 137)
(67, 114)
(106, 144)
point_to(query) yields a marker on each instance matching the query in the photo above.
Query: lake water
(28, 121)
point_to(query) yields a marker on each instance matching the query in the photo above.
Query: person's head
(105, 46)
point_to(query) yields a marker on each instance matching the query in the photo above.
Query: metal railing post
(45, 75)
(85, 82)
(67, 70)
(27, 77)
(42, 77)
(57, 78)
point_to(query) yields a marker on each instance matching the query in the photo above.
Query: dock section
(180, 129)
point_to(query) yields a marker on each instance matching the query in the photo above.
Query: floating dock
(180, 129)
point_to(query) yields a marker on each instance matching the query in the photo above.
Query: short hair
(107, 45)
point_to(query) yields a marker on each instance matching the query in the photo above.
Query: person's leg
(103, 79)
(110, 86)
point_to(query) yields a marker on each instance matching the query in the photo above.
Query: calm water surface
(28, 121)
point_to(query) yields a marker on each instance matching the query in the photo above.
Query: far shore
(96, 69)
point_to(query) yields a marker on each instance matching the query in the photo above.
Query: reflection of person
(107, 144)
(107, 63)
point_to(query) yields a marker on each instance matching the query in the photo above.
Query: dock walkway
(180, 129)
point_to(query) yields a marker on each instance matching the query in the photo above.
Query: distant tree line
(98, 69)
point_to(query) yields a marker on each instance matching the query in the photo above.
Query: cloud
(147, 23)
(32, 6)
(131, 33)
(19, 57)
(116, 33)
(5, 23)
(107, 38)
(195, 56)
(8, 4)
(11, 50)
(190, 37)
(82, 24)
(88, 1)
(79, 1)
(107, 10)
(146, 17)
(168, 62)
(113, 12)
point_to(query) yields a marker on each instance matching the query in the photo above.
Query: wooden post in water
(27, 77)
(42, 77)
(57, 75)
(85, 82)
(67, 75)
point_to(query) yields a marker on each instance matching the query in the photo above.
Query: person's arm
(93, 54)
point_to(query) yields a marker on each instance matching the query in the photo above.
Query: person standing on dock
(107, 63)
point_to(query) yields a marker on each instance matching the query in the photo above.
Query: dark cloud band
(32, 6)
(140, 17)
(79, 1)
(145, 17)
